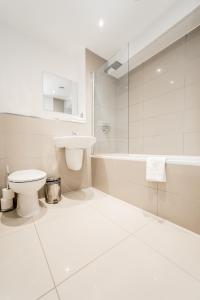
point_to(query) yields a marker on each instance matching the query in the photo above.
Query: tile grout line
(129, 234)
(116, 223)
(47, 265)
(167, 258)
(103, 253)
(107, 218)
(143, 226)
(121, 227)
(94, 260)
(108, 250)
(49, 291)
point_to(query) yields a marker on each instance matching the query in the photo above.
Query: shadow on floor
(80, 195)
(13, 220)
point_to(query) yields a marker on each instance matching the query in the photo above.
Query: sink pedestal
(74, 158)
(74, 148)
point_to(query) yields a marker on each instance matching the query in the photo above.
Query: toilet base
(27, 205)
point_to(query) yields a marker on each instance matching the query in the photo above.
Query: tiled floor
(92, 246)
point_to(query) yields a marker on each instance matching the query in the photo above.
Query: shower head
(115, 65)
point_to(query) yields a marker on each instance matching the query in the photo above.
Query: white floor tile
(86, 195)
(179, 245)
(130, 271)
(24, 272)
(126, 215)
(73, 240)
(50, 296)
(10, 222)
(84, 226)
(69, 200)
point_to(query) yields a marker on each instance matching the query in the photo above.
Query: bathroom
(100, 150)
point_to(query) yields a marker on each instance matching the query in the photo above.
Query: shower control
(106, 128)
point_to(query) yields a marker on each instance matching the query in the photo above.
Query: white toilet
(27, 183)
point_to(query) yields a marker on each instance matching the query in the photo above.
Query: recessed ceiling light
(101, 23)
(172, 82)
(159, 70)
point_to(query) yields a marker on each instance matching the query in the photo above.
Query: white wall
(22, 61)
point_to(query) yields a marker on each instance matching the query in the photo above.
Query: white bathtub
(170, 159)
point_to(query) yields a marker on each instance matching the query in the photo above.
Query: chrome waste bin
(53, 190)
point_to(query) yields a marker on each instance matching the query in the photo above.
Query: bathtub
(177, 200)
(170, 159)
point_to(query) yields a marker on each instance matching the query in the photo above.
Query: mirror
(60, 95)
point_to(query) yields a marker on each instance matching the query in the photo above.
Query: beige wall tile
(137, 76)
(192, 143)
(136, 112)
(122, 116)
(71, 180)
(21, 163)
(2, 145)
(166, 144)
(121, 132)
(133, 171)
(192, 74)
(122, 145)
(125, 180)
(165, 61)
(165, 95)
(177, 200)
(137, 145)
(26, 149)
(21, 145)
(192, 96)
(141, 196)
(136, 93)
(163, 125)
(131, 130)
(103, 174)
(165, 104)
(182, 210)
(137, 129)
(151, 67)
(130, 146)
(192, 120)
(17, 145)
(121, 170)
(1, 123)
(165, 83)
(182, 180)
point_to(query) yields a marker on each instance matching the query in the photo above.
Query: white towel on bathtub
(155, 169)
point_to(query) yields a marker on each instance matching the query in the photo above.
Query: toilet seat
(26, 176)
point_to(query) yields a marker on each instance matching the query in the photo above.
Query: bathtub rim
(170, 159)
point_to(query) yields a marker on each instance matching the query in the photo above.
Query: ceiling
(73, 24)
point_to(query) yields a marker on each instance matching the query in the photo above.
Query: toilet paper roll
(7, 193)
(6, 204)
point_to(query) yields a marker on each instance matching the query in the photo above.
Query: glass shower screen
(111, 113)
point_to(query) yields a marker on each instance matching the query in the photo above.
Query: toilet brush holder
(7, 200)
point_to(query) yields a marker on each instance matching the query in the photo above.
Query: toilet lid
(26, 176)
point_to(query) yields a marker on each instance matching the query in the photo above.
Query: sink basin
(74, 146)
(75, 142)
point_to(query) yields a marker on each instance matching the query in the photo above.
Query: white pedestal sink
(74, 146)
